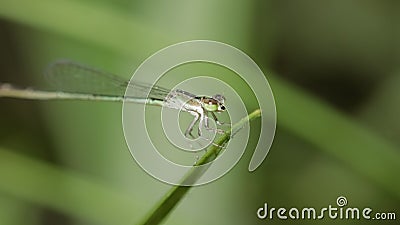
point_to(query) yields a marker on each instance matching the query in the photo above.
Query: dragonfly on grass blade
(76, 81)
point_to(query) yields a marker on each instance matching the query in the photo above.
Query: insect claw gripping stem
(212, 143)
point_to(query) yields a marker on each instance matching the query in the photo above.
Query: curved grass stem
(176, 193)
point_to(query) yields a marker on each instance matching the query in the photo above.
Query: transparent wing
(67, 76)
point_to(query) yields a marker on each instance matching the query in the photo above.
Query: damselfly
(76, 81)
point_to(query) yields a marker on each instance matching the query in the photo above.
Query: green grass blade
(176, 193)
(64, 190)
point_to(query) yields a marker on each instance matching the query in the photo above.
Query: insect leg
(219, 122)
(189, 130)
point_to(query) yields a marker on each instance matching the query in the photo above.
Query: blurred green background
(333, 67)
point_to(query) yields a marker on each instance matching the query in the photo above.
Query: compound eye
(219, 98)
(223, 108)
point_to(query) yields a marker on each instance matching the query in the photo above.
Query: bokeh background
(333, 67)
